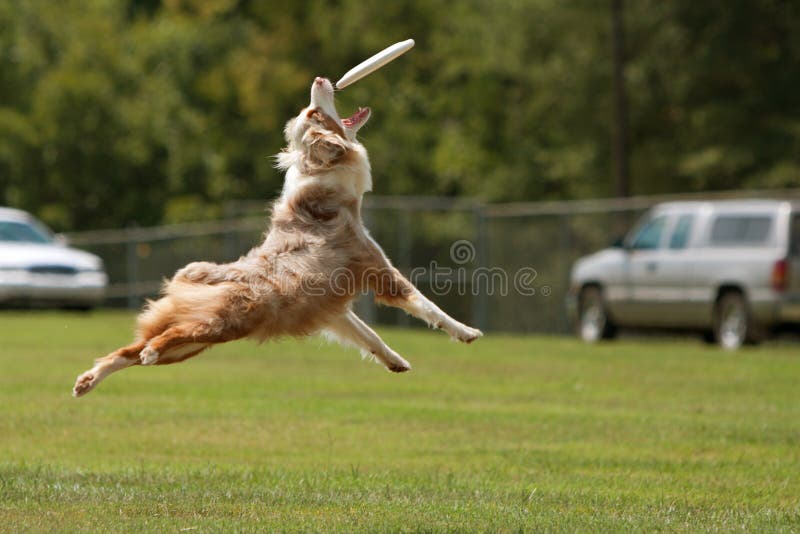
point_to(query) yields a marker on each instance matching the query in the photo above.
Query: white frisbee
(368, 66)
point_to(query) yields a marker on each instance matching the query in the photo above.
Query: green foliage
(509, 434)
(110, 108)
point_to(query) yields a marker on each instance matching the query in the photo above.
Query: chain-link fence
(501, 267)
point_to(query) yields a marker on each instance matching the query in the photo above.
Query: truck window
(740, 230)
(649, 236)
(680, 235)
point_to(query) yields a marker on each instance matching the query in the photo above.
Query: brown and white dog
(317, 257)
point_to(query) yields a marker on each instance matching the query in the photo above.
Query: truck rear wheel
(733, 326)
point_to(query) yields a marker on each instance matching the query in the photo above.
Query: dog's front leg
(393, 289)
(349, 329)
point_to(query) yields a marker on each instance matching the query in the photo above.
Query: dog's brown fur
(315, 259)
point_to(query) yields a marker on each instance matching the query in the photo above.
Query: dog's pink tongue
(356, 118)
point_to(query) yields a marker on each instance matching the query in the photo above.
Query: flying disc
(368, 66)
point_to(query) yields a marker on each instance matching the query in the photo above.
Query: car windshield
(20, 232)
(648, 235)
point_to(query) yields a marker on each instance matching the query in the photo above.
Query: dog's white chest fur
(356, 179)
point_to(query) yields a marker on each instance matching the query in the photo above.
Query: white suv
(730, 268)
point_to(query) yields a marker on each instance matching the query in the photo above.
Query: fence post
(366, 304)
(132, 266)
(480, 298)
(405, 261)
(564, 266)
(229, 238)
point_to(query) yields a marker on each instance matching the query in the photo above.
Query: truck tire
(594, 323)
(733, 326)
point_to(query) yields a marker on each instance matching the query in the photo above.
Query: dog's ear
(323, 148)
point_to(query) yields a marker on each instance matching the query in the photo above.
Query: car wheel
(594, 323)
(732, 324)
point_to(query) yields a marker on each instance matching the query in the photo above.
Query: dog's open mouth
(357, 118)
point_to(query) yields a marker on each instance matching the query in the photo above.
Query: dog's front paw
(399, 367)
(148, 356)
(84, 384)
(467, 334)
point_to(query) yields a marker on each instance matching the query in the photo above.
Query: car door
(674, 271)
(654, 274)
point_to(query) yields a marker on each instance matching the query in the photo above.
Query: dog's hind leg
(349, 329)
(202, 272)
(179, 343)
(117, 360)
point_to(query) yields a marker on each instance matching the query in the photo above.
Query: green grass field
(508, 434)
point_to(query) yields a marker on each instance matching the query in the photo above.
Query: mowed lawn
(511, 433)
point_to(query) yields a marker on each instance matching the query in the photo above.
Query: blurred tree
(114, 111)
(622, 186)
(716, 105)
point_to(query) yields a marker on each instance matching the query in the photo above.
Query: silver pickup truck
(728, 268)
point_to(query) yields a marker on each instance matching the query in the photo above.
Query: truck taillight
(780, 275)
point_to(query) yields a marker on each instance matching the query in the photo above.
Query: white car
(37, 268)
(731, 268)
